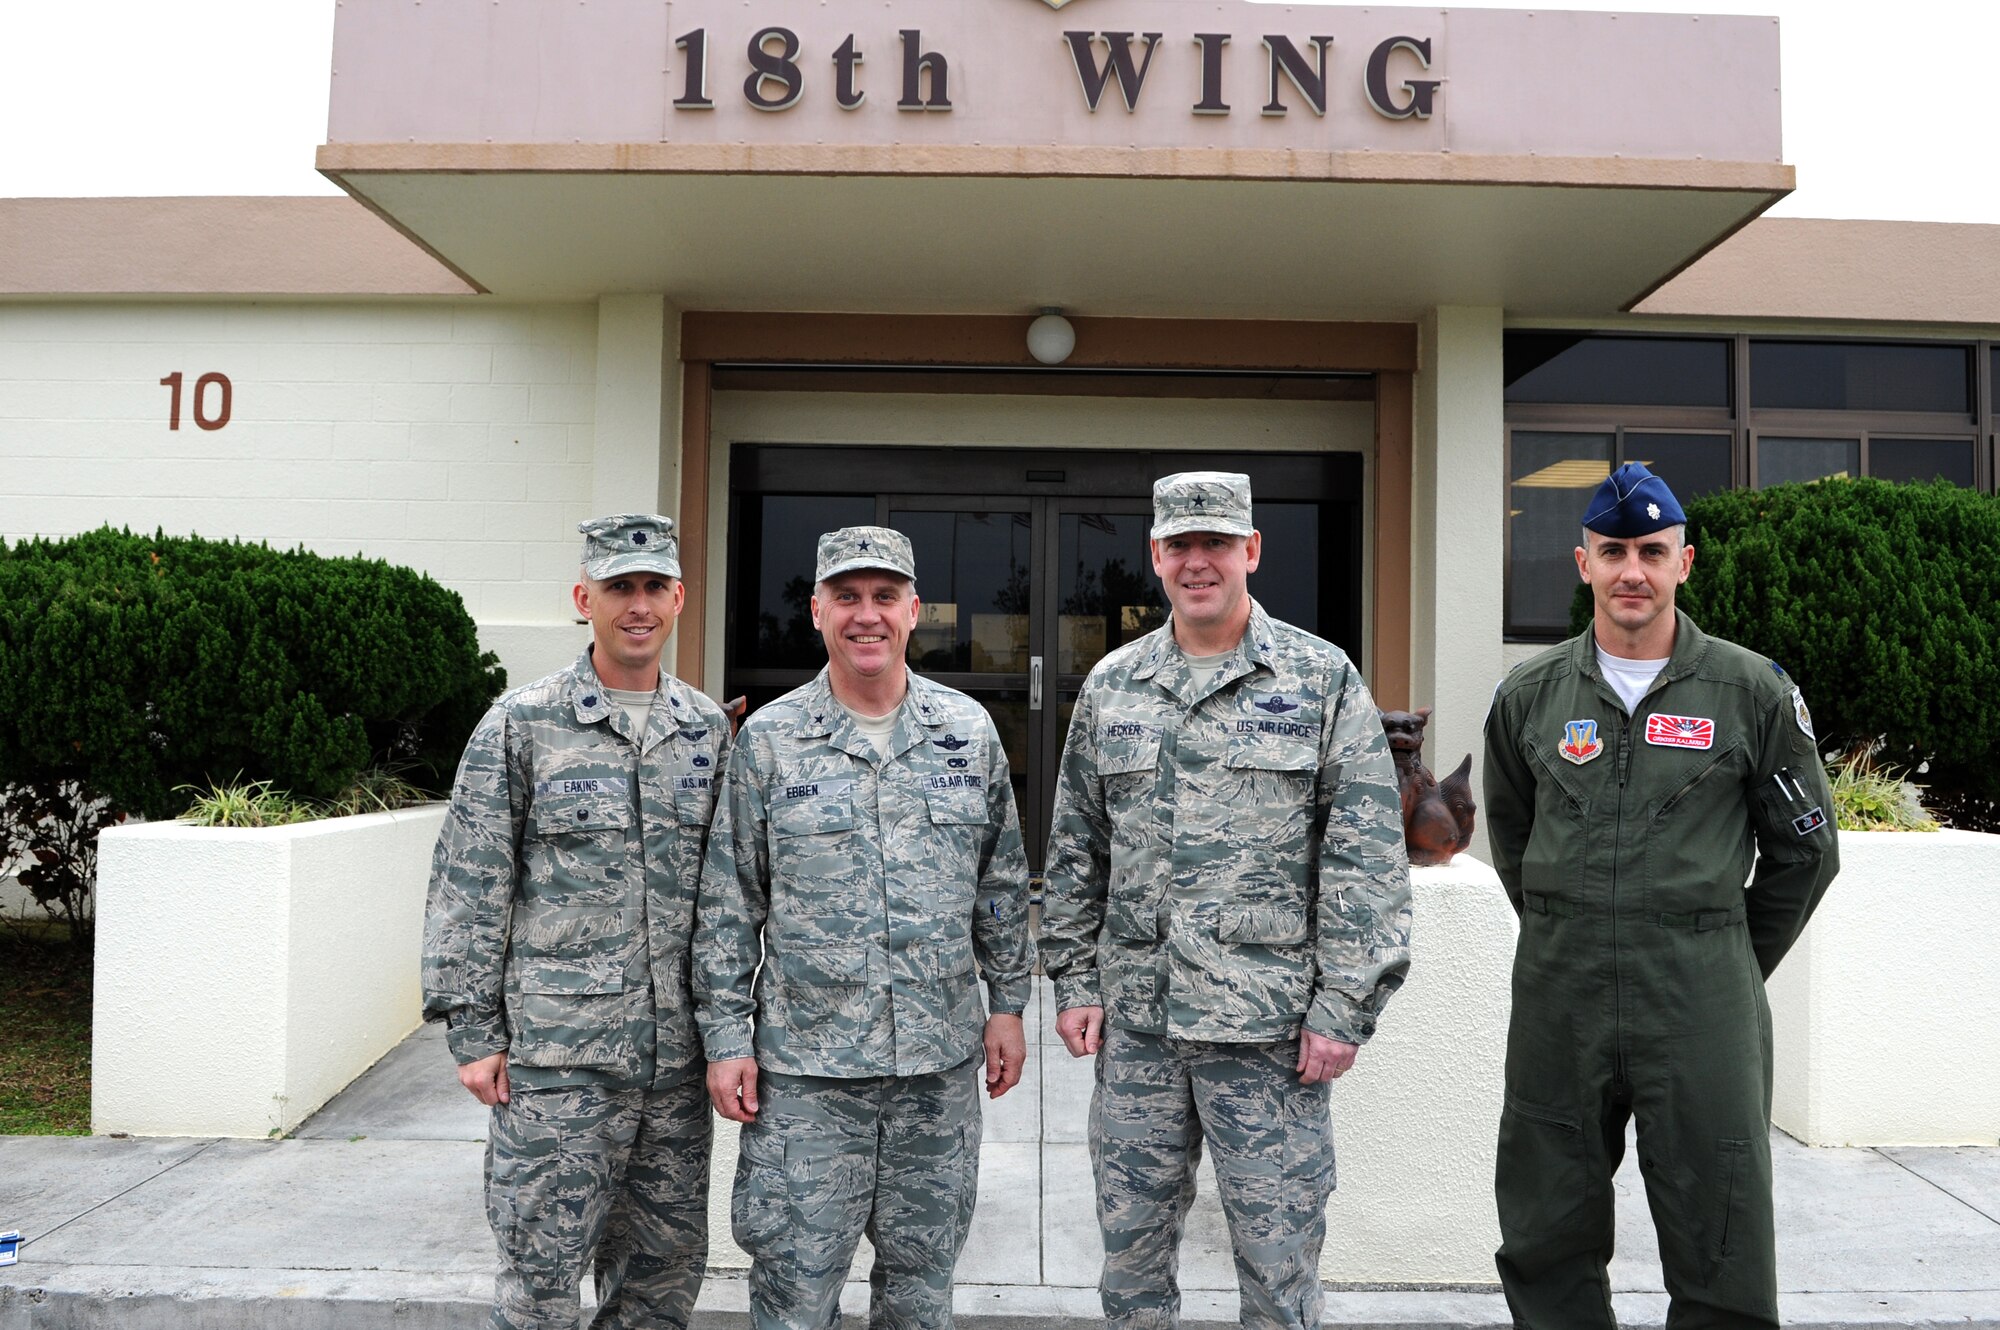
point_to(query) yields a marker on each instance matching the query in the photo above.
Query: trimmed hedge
(135, 664)
(1882, 600)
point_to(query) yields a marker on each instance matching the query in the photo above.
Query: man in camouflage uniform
(1633, 775)
(1228, 912)
(556, 952)
(866, 851)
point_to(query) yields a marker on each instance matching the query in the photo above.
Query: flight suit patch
(1808, 822)
(1803, 716)
(1680, 731)
(1580, 742)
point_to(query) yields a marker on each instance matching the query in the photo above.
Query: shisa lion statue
(1437, 814)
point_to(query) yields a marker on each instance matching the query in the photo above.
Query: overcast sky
(1887, 107)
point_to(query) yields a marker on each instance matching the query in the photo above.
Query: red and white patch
(1680, 731)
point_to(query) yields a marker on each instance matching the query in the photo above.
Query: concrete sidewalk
(371, 1216)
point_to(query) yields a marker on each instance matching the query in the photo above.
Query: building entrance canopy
(1138, 157)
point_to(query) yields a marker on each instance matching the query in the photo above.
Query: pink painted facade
(1508, 83)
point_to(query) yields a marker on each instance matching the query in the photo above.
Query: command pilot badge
(1580, 742)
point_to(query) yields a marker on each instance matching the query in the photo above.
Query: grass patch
(256, 804)
(1871, 798)
(44, 1038)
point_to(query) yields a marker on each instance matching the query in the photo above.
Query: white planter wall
(244, 977)
(1887, 1013)
(1416, 1122)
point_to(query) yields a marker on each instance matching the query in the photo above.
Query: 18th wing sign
(1132, 62)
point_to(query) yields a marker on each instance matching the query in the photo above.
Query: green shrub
(1881, 600)
(135, 664)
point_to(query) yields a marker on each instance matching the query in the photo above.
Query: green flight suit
(1624, 844)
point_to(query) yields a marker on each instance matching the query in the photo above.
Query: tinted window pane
(777, 543)
(1106, 593)
(972, 577)
(1783, 460)
(1921, 459)
(1617, 371)
(1860, 376)
(1550, 477)
(1286, 582)
(1691, 464)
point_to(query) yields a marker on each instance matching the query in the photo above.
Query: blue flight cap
(1632, 501)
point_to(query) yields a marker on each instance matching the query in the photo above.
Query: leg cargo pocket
(757, 1207)
(1541, 1181)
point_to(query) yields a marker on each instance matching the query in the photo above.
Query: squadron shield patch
(1580, 742)
(1680, 731)
(1803, 716)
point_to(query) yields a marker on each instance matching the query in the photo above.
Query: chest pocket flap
(1286, 741)
(811, 806)
(957, 799)
(1126, 746)
(560, 814)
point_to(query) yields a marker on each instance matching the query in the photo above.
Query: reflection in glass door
(974, 583)
(1021, 592)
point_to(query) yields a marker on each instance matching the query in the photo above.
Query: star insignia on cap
(864, 547)
(1653, 511)
(1199, 500)
(638, 537)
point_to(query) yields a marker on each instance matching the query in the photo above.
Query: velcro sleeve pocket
(1265, 925)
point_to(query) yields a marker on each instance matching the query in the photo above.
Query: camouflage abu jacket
(1225, 863)
(867, 886)
(562, 888)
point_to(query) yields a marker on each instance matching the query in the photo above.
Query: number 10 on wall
(203, 418)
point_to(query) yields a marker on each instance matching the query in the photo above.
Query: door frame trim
(1389, 351)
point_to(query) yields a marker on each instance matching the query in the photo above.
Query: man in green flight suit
(1634, 774)
(556, 953)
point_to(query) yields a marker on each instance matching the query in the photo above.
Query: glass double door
(1020, 597)
(1030, 568)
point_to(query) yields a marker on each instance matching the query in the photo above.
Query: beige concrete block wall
(1884, 1014)
(453, 437)
(244, 977)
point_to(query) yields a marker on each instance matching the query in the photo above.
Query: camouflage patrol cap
(1201, 501)
(854, 547)
(629, 543)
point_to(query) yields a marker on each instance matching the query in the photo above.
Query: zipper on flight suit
(1617, 840)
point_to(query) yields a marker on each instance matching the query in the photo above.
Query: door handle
(1034, 683)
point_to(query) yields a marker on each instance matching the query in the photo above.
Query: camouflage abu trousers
(1156, 1101)
(621, 1174)
(827, 1159)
